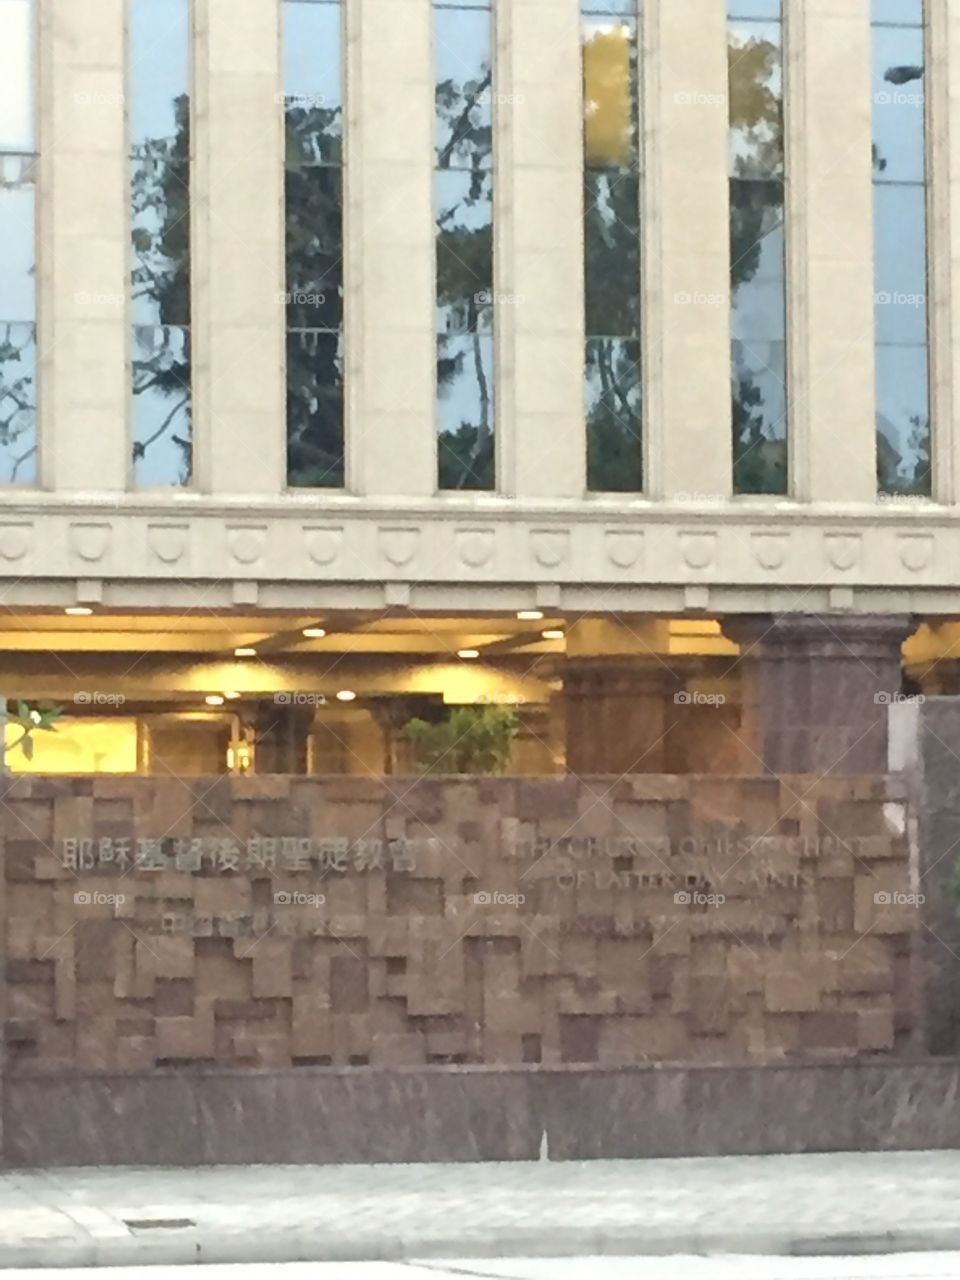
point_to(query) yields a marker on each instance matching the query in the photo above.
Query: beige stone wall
(389, 538)
(346, 921)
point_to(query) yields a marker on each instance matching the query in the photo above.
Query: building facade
(431, 326)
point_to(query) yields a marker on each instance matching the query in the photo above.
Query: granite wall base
(478, 1113)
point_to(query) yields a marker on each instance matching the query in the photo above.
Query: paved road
(914, 1266)
(791, 1205)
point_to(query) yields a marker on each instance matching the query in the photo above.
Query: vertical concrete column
(390, 264)
(82, 247)
(619, 714)
(815, 690)
(687, 250)
(830, 276)
(237, 264)
(538, 249)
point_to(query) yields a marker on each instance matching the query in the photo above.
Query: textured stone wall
(277, 922)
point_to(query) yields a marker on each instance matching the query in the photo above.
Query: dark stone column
(281, 742)
(815, 689)
(619, 712)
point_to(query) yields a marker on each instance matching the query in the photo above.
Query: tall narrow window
(18, 314)
(611, 223)
(757, 262)
(900, 248)
(463, 203)
(313, 109)
(160, 148)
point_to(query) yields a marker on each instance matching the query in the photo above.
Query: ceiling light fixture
(231, 695)
(346, 695)
(552, 634)
(244, 652)
(468, 653)
(314, 633)
(78, 611)
(529, 615)
(214, 699)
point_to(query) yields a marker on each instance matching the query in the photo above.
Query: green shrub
(470, 740)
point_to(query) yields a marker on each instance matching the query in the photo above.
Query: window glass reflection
(614, 415)
(900, 250)
(463, 207)
(612, 264)
(18, 289)
(159, 123)
(757, 261)
(162, 450)
(313, 118)
(16, 76)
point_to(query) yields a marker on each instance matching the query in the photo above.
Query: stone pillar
(830, 266)
(686, 216)
(389, 251)
(237, 229)
(815, 690)
(538, 255)
(619, 714)
(83, 243)
(281, 741)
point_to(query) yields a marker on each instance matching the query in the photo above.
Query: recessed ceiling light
(214, 699)
(232, 694)
(314, 633)
(244, 652)
(468, 653)
(78, 611)
(529, 615)
(346, 695)
(552, 634)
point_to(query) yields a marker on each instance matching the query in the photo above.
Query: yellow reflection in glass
(608, 97)
(78, 746)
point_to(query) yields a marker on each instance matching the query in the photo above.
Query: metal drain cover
(158, 1224)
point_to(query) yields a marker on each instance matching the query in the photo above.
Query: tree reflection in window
(757, 275)
(613, 390)
(313, 120)
(159, 55)
(463, 207)
(900, 249)
(18, 331)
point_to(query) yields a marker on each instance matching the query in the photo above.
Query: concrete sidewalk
(802, 1204)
